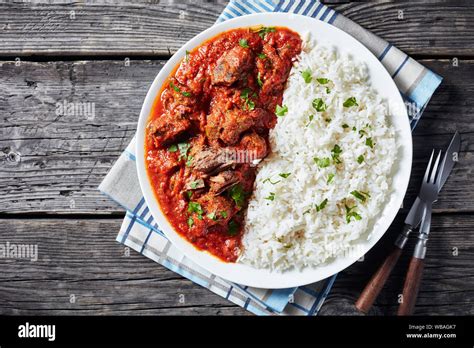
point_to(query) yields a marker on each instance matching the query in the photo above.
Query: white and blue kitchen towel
(141, 233)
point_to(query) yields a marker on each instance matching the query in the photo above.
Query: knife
(413, 219)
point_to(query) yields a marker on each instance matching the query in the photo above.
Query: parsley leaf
(322, 162)
(321, 205)
(173, 148)
(284, 175)
(263, 31)
(281, 110)
(330, 177)
(360, 195)
(335, 152)
(243, 43)
(369, 143)
(350, 102)
(259, 79)
(360, 159)
(323, 81)
(237, 193)
(306, 74)
(319, 105)
(233, 228)
(271, 197)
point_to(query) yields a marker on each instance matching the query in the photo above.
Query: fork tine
(427, 173)
(435, 168)
(440, 171)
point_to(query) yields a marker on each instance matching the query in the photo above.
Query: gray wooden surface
(51, 165)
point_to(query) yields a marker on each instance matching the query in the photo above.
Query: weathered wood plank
(63, 158)
(82, 270)
(81, 258)
(447, 287)
(158, 29)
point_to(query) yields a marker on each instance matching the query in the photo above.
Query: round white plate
(381, 82)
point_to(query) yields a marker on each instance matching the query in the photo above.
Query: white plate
(381, 82)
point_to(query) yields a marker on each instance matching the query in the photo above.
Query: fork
(429, 195)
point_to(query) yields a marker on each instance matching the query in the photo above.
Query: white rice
(279, 234)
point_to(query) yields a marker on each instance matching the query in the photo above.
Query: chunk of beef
(211, 160)
(167, 129)
(223, 181)
(254, 145)
(232, 66)
(235, 122)
(263, 120)
(216, 209)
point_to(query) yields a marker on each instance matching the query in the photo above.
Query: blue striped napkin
(140, 232)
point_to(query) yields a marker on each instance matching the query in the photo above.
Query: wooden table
(108, 54)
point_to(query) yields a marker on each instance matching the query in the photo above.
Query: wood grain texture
(81, 258)
(159, 29)
(63, 158)
(448, 277)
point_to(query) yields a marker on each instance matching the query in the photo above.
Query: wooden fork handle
(377, 282)
(411, 286)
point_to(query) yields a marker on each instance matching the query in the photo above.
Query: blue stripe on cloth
(232, 9)
(325, 14)
(385, 51)
(130, 155)
(251, 6)
(146, 241)
(247, 303)
(279, 298)
(309, 7)
(144, 212)
(229, 292)
(242, 8)
(278, 7)
(400, 67)
(300, 307)
(316, 11)
(299, 6)
(333, 18)
(129, 228)
(309, 291)
(270, 3)
(139, 205)
(422, 93)
(290, 4)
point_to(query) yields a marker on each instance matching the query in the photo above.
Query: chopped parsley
(345, 125)
(271, 197)
(243, 43)
(259, 79)
(195, 207)
(306, 74)
(270, 181)
(189, 161)
(263, 31)
(319, 105)
(281, 110)
(362, 133)
(310, 118)
(187, 56)
(330, 177)
(360, 159)
(328, 90)
(237, 193)
(173, 148)
(321, 205)
(233, 228)
(360, 195)
(307, 211)
(190, 222)
(369, 143)
(335, 152)
(262, 55)
(224, 214)
(323, 81)
(245, 95)
(176, 89)
(194, 184)
(350, 102)
(284, 175)
(212, 216)
(183, 150)
(350, 213)
(189, 194)
(322, 162)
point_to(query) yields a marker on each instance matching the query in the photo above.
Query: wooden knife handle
(411, 286)
(377, 282)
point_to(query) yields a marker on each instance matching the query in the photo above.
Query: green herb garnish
(194, 184)
(350, 102)
(270, 181)
(345, 125)
(233, 228)
(350, 213)
(360, 159)
(238, 194)
(322, 162)
(321, 205)
(190, 222)
(369, 143)
(323, 81)
(330, 177)
(281, 110)
(262, 55)
(212, 216)
(243, 43)
(319, 105)
(195, 207)
(259, 80)
(262, 31)
(328, 90)
(183, 150)
(176, 89)
(284, 175)
(310, 118)
(306, 74)
(335, 152)
(245, 96)
(224, 214)
(187, 56)
(360, 195)
(271, 197)
(173, 148)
